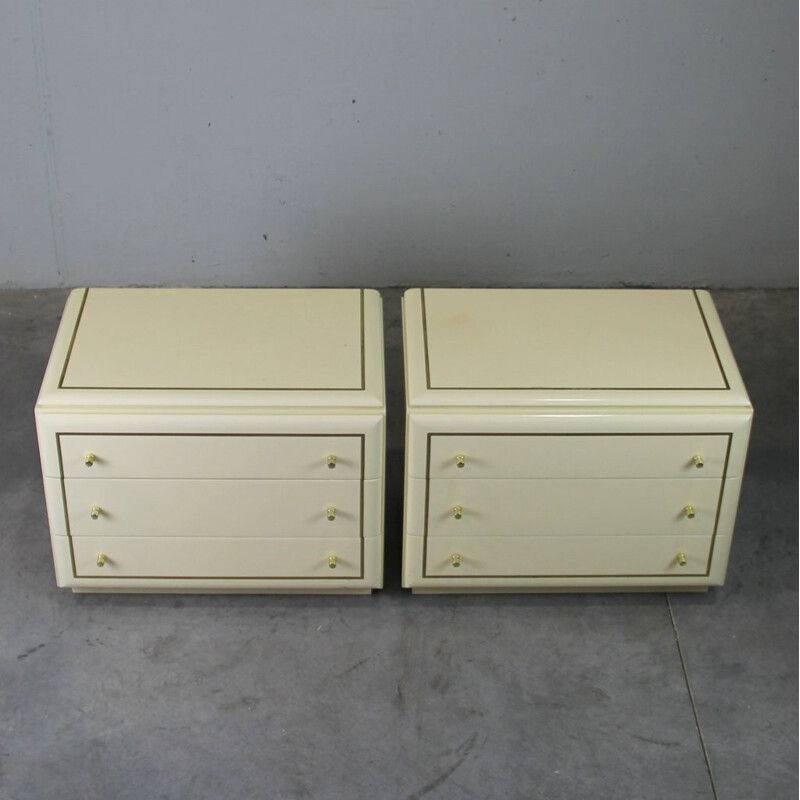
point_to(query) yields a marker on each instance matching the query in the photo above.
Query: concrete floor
(396, 696)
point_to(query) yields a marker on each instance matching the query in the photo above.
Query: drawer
(257, 456)
(526, 455)
(567, 556)
(581, 507)
(175, 557)
(217, 508)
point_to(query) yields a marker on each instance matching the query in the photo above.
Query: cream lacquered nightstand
(569, 440)
(216, 440)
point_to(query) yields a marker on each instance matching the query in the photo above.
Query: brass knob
(456, 559)
(698, 460)
(101, 559)
(332, 562)
(460, 462)
(457, 512)
(94, 512)
(331, 513)
(681, 559)
(89, 459)
(331, 462)
(689, 511)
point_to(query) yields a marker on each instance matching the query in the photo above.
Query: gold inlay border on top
(360, 388)
(428, 385)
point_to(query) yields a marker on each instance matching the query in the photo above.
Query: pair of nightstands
(232, 440)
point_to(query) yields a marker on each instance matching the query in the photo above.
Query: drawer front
(174, 557)
(214, 508)
(567, 556)
(588, 508)
(578, 456)
(258, 456)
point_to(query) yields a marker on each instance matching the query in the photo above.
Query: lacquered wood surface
(215, 440)
(569, 440)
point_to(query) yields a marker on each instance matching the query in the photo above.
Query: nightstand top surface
(597, 346)
(266, 346)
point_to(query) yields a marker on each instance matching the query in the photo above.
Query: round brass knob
(331, 513)
(458, 512)
(94, 512)
(89, 459)
(460, 462)
(456, 559)
(681, 559)
(698, 461)
(689, 511)
(332, 562)
(101, 559)
(331, 462)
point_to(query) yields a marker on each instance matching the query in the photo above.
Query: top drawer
(256, 456)
(623, 455)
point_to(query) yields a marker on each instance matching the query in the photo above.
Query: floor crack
(691, 699)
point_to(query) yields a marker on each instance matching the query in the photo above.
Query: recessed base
(123, 590)
(548, 590)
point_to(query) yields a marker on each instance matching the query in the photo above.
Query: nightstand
(569, 440)
(216, 440)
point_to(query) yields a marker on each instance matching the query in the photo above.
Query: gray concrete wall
(381, 143)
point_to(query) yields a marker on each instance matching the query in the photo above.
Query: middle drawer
(249, 508)
(611, 507)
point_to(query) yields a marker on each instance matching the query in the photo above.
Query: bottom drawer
(209, 558)
(565, 556)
